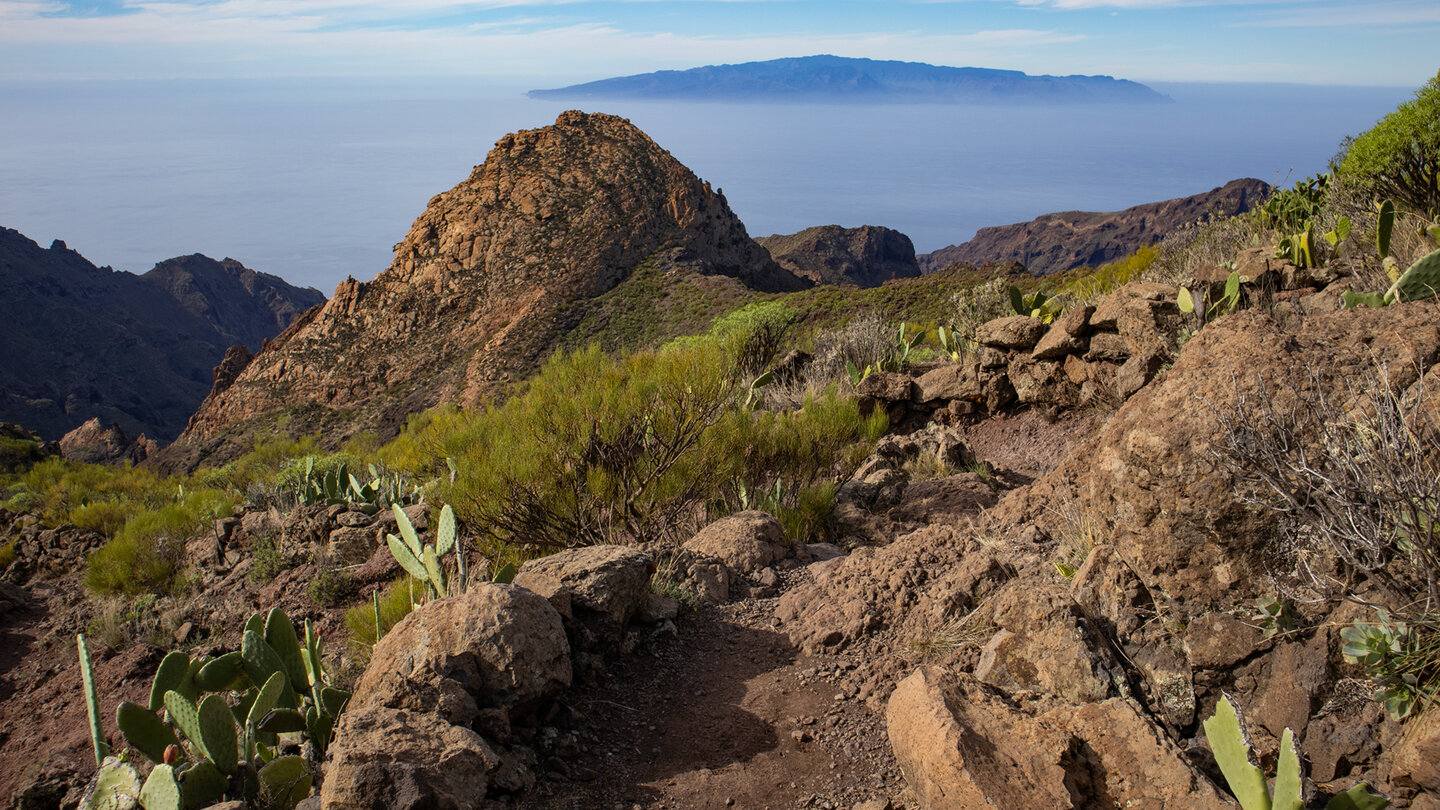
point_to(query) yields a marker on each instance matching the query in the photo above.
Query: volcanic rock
(485, 284)
(829, 254)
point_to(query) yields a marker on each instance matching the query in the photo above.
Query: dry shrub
(1355, 472)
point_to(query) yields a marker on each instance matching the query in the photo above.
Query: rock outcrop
(85, 342)
(1056, 242)
(487, 282)
(93, 443)
(829, 254)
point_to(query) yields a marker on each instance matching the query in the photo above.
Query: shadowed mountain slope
(86, 342)
(1055, 242)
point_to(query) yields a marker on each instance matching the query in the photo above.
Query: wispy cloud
(1386, 15)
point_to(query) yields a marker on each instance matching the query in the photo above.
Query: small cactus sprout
(172, 754)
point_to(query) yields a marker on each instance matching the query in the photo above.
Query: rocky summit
(866, 256)
(482, 288)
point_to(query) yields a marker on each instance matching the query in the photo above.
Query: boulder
(352, 545)
(1135, 372)
(601, 587)
(1046, 643)
(951, 381)
(1013, 332)
(1107, 346)
(492, 647)
(963, 745)
(886, 386)
(745, 541)
(392, 759)
(1126, 612)
(1066, 335)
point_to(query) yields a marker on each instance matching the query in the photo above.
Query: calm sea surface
(317, 180)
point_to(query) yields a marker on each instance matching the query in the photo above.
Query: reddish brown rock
(474, 297)
(745, 541)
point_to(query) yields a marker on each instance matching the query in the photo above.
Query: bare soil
(727, 714)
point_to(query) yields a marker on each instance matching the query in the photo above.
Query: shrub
(1085, 286)
(1357, 471)
(148, 553)
(865, 341)
(1399, 157)
(105, 517)
(7, 555)
(331, 585)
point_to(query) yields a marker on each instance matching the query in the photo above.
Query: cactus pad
(217, 730)
(161, 792)
(172, 674)
(144, 731)
(280, 635)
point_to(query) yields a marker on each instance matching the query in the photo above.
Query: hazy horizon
(316, 180)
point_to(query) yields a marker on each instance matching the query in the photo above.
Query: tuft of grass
(972, 629)
(7, 555)
(395, 604)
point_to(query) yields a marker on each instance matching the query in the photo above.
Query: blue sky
(1385, 42)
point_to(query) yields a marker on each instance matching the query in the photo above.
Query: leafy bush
(1084, 285)
(147, 555)
(1399, 157)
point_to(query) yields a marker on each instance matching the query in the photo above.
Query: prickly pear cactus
(1421, 281)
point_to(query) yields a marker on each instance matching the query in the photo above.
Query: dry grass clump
(957, 632)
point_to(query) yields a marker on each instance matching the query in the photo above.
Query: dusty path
(727, 714)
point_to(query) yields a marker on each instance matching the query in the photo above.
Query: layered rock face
(83, 342)
(482, 287)
(1056, 242)
(829, 254)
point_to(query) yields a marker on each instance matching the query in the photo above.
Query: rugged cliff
(492, 276)
(85, 342)
(1056, 242)
(829, 254)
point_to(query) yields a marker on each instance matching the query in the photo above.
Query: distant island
(838, 79)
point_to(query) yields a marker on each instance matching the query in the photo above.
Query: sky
(1387, 43)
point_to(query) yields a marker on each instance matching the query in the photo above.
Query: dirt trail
(727, 714)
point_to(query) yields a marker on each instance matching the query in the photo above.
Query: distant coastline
(844, 80)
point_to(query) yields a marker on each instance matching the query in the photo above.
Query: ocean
(316, 180)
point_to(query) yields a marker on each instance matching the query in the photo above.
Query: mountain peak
(483, 286)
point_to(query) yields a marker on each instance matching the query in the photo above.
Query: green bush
(1399, 157)
(106, 517)
(147, 555)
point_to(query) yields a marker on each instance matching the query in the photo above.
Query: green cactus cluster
(206, 748)
(423, 561)
(1036, 305)
(340, 486)
(1226, 736)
